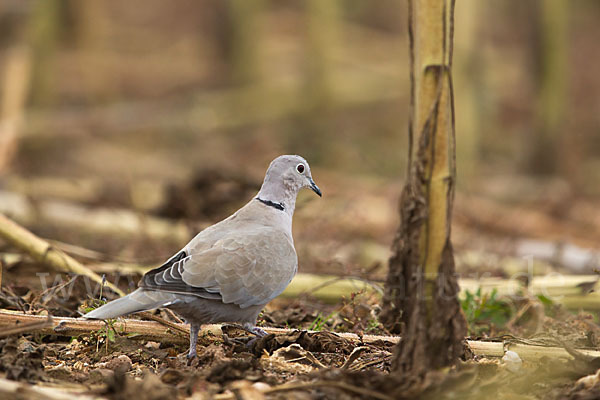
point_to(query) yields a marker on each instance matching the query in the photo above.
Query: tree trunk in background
(314, 121)
(468, 82)
(243, 43)
(43, 33)
(233, 27)
(15, 77)
(545, 148)
(15, 85)
(87, 27)
(323, 26)
(420, 299)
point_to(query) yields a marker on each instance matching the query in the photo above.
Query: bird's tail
(140, 300)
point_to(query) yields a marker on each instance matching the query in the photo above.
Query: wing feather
(248, 268)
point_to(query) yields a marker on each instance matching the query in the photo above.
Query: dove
(229, 271)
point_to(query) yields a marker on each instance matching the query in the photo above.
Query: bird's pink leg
(194, 329)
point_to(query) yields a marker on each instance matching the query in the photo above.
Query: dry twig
(27, 327)
(22, 390)
(162, 321)
(286, 387)
(154, 331)
(46, 254)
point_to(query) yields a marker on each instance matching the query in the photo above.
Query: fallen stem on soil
(135, 329)
(27, 327)
(155, 331)
(99, 221)
(22, 390)
(562, 289)
(286, 387)
(162, 321)
(45, 253)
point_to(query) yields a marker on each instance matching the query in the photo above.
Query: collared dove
(231, 270)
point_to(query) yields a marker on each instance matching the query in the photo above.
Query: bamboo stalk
(96, 220)
(421, 291)
(562, 289)
(43, 31)
(143, 330)
(23, 390)
(27, 327)
(546, 149)
(295, 386)
(243, 55)
(45, 253)
(16, 84)
(469, 85)
(154, 331)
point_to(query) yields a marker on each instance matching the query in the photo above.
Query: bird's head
(284, 179)
(293, 172)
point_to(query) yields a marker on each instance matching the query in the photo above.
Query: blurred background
(126, 127)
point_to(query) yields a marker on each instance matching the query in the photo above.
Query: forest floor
(142, 147)
(323, 349)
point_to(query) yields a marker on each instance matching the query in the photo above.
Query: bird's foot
(234, 341)
(245, 341)
(258, 331)
(229, 328)
(191, 357)
(194, 329)
(251, 329)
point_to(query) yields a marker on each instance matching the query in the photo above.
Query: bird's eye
(300, 168)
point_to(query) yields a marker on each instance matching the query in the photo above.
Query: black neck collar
(270, 203)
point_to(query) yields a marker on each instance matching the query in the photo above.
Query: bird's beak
(315, 188)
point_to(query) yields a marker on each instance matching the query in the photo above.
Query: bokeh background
(126, 126)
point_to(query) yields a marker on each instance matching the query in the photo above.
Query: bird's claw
(190, 359)
(233, 341)
(259, 332)
(245, 341)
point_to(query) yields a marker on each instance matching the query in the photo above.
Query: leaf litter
(299, 363)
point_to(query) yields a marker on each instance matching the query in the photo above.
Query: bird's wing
(247, 268)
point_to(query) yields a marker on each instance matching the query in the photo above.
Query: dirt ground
(136, 135)
(310, 359)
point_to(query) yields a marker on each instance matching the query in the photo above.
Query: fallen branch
(135, 329)
(46, 254)
(22, 390)
(287, 387)
(121, 222)
(27, 327)
(162, 321)
(138, 329)
(572, 291)
(155, 331)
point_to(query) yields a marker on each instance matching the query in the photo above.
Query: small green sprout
(485, 311)
(319, 323)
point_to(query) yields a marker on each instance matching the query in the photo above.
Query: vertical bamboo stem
(15, 84)
(422, 287)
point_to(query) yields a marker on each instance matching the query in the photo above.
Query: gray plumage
(231, 270)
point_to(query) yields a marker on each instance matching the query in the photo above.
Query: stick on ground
(45, 253)
(155, 331)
